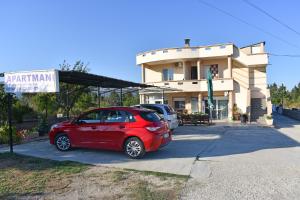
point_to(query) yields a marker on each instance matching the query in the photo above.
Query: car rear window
(156, 109)
(169, 110)
(150, 116)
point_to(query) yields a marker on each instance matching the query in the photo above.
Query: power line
(272, 17)
(285, 55)
(247, 23)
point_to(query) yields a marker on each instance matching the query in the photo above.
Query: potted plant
(235, 113)
(269, 120)
(244, 118)
(43, 127)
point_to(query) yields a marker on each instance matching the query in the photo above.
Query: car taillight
(152, 128)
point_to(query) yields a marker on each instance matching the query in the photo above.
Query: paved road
(256, 163)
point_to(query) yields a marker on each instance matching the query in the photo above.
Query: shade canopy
(87, 79)
(81, 78)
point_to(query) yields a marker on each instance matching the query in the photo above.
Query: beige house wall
(242, 73)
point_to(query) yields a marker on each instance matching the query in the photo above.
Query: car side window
(90, 118)
(110, 116)
(129, 117)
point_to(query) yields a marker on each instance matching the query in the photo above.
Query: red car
(132, 130)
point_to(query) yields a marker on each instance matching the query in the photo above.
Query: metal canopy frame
(84, 79)
(92, 80)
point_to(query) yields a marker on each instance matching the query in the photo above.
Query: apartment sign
(32, 81)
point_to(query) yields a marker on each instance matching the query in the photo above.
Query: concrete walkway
(249, 163)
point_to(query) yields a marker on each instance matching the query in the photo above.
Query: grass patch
(27, 177)
(144, 191)
(24, 175)
(162, 175)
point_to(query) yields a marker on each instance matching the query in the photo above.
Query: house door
(220, 110)
(194, 74)
(194, 104)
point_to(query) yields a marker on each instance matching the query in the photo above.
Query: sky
(107, 34)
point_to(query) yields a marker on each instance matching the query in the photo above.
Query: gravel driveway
(224, 162)
(249, 163)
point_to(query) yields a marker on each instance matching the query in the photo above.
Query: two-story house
(239, 78)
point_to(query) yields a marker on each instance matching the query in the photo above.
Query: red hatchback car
(132, 130)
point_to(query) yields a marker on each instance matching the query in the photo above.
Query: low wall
(295, 114)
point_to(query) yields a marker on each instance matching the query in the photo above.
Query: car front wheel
(62, 142)
(134, 148)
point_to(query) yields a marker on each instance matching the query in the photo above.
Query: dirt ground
(24, 177)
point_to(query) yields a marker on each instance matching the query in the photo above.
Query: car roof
(156, 105)
(124, 108)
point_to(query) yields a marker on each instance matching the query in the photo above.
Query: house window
(179, 105)
(168, 74)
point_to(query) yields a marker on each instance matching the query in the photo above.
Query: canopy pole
(68, 109)
(163, 96)
(99, 97)
(9, 97)
(121, 97)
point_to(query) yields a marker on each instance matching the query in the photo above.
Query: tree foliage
(281, 96)
(70, 93)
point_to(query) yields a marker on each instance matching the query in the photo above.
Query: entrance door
(194, 104)
(220, 110)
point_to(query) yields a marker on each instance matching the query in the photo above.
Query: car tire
(134, 148)
(62, 142)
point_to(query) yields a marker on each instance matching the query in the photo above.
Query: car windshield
(150, 116)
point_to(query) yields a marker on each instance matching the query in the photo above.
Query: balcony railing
(196, 85)
(184, 53)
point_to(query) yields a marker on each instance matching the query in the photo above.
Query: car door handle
(94, 127)
(121, 126)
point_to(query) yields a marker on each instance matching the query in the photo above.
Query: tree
(3, 104)
(84, 102)
(70, 93)
(130, 99)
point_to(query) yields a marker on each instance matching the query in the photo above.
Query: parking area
(225, 161)
(177, 157)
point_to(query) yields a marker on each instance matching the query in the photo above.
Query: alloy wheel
(63, 143)
(133, 149)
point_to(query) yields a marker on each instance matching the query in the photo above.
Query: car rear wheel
(62, 142)
(134, 148)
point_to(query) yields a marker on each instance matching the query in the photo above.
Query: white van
(165, 111)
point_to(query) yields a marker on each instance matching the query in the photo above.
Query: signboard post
(44, 81)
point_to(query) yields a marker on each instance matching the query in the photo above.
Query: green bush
(4, 134)
(43, 127)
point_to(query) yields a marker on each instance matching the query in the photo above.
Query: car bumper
(173, 124)
(159, 141)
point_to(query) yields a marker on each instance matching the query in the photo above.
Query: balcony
(184, 53)
(196, 85)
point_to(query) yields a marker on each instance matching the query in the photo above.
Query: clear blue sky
(109, 33)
